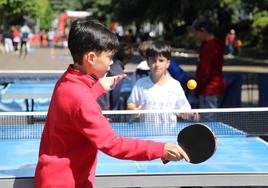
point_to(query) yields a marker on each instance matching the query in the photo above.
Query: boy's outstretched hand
(173, 152)
(109, 83)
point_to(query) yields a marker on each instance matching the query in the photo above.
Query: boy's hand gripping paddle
(198, 141)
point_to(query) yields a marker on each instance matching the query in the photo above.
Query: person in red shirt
(75, 129)
(16, 37)
(209, 76)
(230, 41)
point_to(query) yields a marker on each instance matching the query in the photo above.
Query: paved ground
(37, 59)
(41, 60)
(58, 59)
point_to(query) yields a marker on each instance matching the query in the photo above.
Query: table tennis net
(223, 122)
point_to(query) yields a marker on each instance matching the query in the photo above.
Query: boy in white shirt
(158, 91)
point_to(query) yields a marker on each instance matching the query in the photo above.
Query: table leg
(27, 105)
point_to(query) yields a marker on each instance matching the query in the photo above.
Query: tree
(15, 9)
(100, 9)
(46, 14)
(249, 17)
(259, 23)
(173, 13)
(59, 6)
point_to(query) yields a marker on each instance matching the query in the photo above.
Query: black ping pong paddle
(198, 141)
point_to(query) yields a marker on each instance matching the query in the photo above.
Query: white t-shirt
(143, 65)
(150, 96)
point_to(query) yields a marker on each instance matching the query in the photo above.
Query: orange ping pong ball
(191, 84)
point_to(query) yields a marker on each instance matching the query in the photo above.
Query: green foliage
(260, 28)
(232, 4)
(46, 15)
(99, 8)
(260, 20)
(186, 40)
(176, 15)
(232, 7)
(17, 8)
(59, 6)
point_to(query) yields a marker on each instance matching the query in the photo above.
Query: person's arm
(178, 73)
(107, 83)
(131, 106)
(133, 102)
(92, 124)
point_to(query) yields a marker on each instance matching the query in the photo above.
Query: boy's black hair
(203, 23)
(124, 50)
(89, 35)
(159, 48)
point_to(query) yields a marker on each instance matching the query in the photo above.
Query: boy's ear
(91, 57)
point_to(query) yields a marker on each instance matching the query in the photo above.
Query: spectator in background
(50, 42)
(16, 38)
(230, 42)
(121, 58)
(2, 49)
(174, 69)
(50, 38)
(158, 91)
(65, 37)
(112, 100)
(42, 38)
(209, 77)
(8, 41)
(142, 68)
(24, 37)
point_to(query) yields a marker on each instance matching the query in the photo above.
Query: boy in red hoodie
(209, 76)
(75, 128)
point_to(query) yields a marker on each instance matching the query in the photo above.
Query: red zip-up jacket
(75, 130)
(209, 76)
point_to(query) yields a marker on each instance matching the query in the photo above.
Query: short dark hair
(202, 23)
(89, 35)
(159, 48)
(124, 50)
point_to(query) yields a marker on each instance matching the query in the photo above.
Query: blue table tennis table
(239, 160)
(28, 91)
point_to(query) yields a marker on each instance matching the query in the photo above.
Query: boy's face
(101, 63)
(201, 35)
(158, 65)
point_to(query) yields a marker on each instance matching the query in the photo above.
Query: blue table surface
(18, 88)
(21, 88)
(236, 154)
